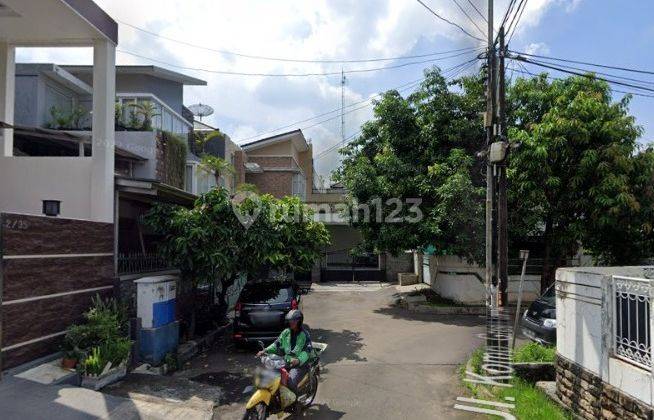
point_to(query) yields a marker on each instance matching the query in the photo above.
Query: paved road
(382, 362)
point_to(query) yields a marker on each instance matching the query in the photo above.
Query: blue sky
(603, 31)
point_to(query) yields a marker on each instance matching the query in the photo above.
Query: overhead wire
(478, 11)
(457, 71)
(588, 76)
(526, 71)
(332, 73)
(286, 59)
(518, 14)
(468, 16)
(400, 87)
(585, 63)
(433, 12)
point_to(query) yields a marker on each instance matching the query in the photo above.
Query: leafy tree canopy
(422, 146)
(579, 175)
(209, 243)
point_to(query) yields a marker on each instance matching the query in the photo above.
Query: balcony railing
(137, 263)
(632, 320)
(166, 119)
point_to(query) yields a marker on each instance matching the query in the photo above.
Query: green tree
(209, 243)
(577, 177)
(216, 166)
(422, 146)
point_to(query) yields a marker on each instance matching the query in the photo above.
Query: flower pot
(68, 363)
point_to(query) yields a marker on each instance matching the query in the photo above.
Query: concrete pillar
(104, 98)
(7, 96)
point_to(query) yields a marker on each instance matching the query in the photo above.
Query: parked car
(259, 314)
(539, 321)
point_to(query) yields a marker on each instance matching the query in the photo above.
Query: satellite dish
(201, 110)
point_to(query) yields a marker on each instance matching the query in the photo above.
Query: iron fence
(135, 263)
(632, 320)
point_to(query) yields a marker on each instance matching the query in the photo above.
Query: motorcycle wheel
(307, 400)
(258, 412)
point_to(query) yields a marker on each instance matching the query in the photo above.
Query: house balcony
(164, 117)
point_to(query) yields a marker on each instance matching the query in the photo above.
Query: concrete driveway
(382, 362)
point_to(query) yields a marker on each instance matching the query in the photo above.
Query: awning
(149, 190)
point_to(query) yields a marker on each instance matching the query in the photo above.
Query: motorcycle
(272, 395)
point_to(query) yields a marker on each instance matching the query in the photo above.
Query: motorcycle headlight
(549, 323)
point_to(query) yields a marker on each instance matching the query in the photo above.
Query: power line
(449, 21)
(588, 76)
(468, 16)
(519, 11)
(235, 73)
(323, 114)
(526, 71)
(478, 12)
(289, 60)
(330, 149)
(509, 9)
(585, 63)
(647, 82)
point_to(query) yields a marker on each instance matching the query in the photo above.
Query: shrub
(101, 339)
(534, 352)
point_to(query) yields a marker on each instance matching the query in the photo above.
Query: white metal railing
(633, 320)
(167, 118)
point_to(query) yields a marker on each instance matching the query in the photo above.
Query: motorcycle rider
(295, 345)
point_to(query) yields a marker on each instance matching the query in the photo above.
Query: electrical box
(498, 151)
(156, 300)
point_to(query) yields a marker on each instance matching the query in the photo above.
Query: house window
(300, 186)
(632, 340)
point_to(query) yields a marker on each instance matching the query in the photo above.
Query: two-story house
(282, 165)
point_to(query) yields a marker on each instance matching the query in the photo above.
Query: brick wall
(589, 397)
(51, 268)
(277, 183)
(267, 162)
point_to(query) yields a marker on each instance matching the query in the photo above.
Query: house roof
(296, 136)
(149, 70)
(55, 22)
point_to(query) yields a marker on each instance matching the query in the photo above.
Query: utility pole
(496, 183)
(490, 179)
(502, 207)
(343, 80)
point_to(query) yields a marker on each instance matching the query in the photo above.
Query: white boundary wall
(584, 327)
(454, 278)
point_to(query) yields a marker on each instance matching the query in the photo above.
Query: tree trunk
(222, 296)
(194, 312)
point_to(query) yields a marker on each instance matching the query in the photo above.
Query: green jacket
(283, 345)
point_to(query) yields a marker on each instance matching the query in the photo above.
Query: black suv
(539, 321)
(261, 310)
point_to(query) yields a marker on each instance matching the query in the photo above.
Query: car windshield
(266, 292)
(549, 295)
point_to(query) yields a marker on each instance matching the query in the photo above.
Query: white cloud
(325, 29)
(537, 48)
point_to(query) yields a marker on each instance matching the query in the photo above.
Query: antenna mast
(343, 81)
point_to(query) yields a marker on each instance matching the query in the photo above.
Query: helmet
(295, 315)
